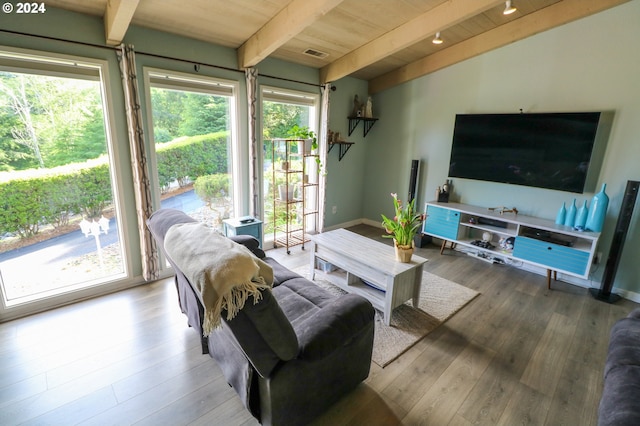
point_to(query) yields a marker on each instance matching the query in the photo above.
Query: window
(59, 216)
(195, 140)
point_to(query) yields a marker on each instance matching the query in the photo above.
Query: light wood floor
(517, 354)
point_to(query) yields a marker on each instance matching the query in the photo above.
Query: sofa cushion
(264, 333)
(322, 321)
(299, 299)
(280, 273)
(619, 403)
(624, 344)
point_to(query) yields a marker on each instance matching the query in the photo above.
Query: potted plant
(402, 228)
(307, 135)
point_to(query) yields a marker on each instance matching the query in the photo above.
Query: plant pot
(284, 194)
(403, 253)
(307, 146)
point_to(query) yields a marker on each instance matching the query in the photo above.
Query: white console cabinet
(540, 242)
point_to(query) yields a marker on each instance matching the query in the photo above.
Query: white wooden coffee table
(390, 283)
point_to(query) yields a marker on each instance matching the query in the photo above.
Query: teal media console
(506, 237)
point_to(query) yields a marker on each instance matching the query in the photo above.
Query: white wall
(589, 65)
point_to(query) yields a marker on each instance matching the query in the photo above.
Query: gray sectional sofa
(620, 402)
(295, 352)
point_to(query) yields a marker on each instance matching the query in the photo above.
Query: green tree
(167, 107)
(58, 120)
(13, 156)
(279, 118)
(18, 99)
(204, 114)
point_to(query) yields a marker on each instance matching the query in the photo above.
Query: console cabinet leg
(444, 245)
(555, 277)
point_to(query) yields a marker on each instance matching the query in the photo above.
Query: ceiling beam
(552, 16)
(288, 23)
(439, 18)
(117, 18)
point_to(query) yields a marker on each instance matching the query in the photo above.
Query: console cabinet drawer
(552, 256)
(442, 222)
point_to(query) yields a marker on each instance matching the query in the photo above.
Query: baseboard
(375, 224)
(348, 224)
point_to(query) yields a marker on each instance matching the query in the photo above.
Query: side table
(233, 227)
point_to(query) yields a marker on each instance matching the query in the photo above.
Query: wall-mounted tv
(544, 150)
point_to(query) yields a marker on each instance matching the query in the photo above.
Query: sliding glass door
(282, 110)
(59, 216)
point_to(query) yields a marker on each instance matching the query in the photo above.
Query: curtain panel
(142, 187)
(322, 150)
(251, 75)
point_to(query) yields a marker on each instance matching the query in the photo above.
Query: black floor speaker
(615, 252)
(413, 179)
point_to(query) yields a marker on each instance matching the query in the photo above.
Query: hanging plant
(305, 133)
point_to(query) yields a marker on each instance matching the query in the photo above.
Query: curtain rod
(100, 46)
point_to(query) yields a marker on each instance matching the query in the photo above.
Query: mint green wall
(345, 179)
(589, 65)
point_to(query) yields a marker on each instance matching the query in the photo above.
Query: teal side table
(233, 227)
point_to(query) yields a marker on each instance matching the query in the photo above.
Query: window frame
(293, 97)
(51, 64)
(203, 84)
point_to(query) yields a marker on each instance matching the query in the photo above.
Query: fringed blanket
(225, 273)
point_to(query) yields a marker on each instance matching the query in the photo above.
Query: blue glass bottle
(581, 217)
(598, 210)
(562, 214)
(571, 214)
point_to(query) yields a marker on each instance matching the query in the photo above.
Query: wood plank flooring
(517, 354)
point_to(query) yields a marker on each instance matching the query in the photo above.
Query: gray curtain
(251, 75)
(142, 191)
(322, 150)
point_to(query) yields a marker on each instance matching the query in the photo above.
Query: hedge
(186, 159)
(31, 198)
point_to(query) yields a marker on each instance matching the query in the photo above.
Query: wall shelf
(343, 148)
(368, 123)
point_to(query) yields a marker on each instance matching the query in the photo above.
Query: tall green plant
(405, 224)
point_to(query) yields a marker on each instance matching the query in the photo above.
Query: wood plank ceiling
(386, 42)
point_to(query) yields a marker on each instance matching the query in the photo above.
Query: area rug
(440, 299)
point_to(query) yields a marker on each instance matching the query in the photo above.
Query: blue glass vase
(562, 214)
(570, 219)
(598, 210)
(581, 217)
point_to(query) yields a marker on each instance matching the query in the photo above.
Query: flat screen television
(544, 150)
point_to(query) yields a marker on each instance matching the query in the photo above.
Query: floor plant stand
(295, 191)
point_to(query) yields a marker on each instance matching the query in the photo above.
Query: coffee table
(389, 283)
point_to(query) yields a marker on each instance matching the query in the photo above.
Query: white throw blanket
(225, 273)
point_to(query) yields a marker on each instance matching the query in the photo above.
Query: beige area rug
(440, 299)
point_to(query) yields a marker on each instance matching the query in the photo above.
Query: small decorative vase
(581, 217)
(598, 210)
(571, 214)
(562, 214)
(403, 253)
